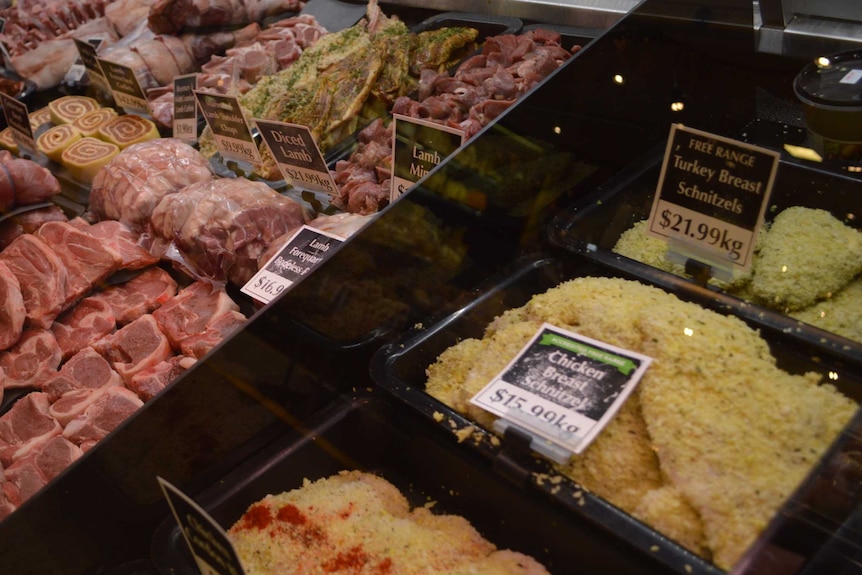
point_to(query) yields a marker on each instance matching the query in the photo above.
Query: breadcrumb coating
(807, 255)
(359, 523)
(715, 437)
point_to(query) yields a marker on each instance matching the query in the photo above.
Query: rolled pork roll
(54, 141)
(87, 156)
(125, 131)
(7, 142)
(39, 118)
(90, 122)
(67, 109)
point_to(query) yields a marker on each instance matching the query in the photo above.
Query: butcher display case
(330, 375)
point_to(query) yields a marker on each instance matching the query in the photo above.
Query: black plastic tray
(369, 433)
(399, 367)
(592, 227)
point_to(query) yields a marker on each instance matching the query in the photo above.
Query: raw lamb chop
(172, 16)
(87, 369)
(149, 382)
(216, 331)
(158, 59)
(135, 347)
(75, 402)
(12, 311)
(123, 240)
(89, 320)
(26, 427)
(102, 417)
(29, 474)
(140, 295)
(28, 222)
(31, 361)
(88, 261)
(24, 181)
(42, 277)
(190, 312)
(131, 185)
(221, 227)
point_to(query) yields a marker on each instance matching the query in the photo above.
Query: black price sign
(225, 118)
(711, 196)
(90, 60)
(298, 156)
(418, 146)
(124, 85)
(303, 253)
(563, 387)
(185, 125)
(212, 550)
(18, 118)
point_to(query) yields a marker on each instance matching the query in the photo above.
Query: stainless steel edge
(599, 14)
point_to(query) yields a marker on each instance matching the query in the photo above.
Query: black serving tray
(370, 433)
(399, 367)
(592, 226)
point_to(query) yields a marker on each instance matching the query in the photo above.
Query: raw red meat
(103, 416)
(140, 295)
(221, 326)
(26, 426)
(87, 369)
(135, 347)
(29, 182)
(149, 382)
(29, 474)
(190, 312)
(122, 239)
(12, 311)
(42, 276)
(89, 320)
(31, 361)
(28, 222)
(88, 260)
(131, 185)
(9, 496)
(75, 402)
(221, 227)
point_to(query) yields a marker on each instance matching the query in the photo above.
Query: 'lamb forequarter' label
(563, 387)
(304, 251)
(125, 87)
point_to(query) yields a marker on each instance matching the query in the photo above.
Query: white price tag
(563, 387)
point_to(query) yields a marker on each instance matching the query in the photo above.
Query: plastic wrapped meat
(172, 16)
(129, 187)
(219, 228)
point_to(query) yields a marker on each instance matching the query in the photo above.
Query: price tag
(18, 118)
(225, 118)
(89, 61)
(298, 156)
(417, 147)
(563, 387)
(124, 86)
(185, 125)
(307, 249)
(711, 197)
(213, 552)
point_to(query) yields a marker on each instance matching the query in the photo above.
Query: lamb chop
(173, 16)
